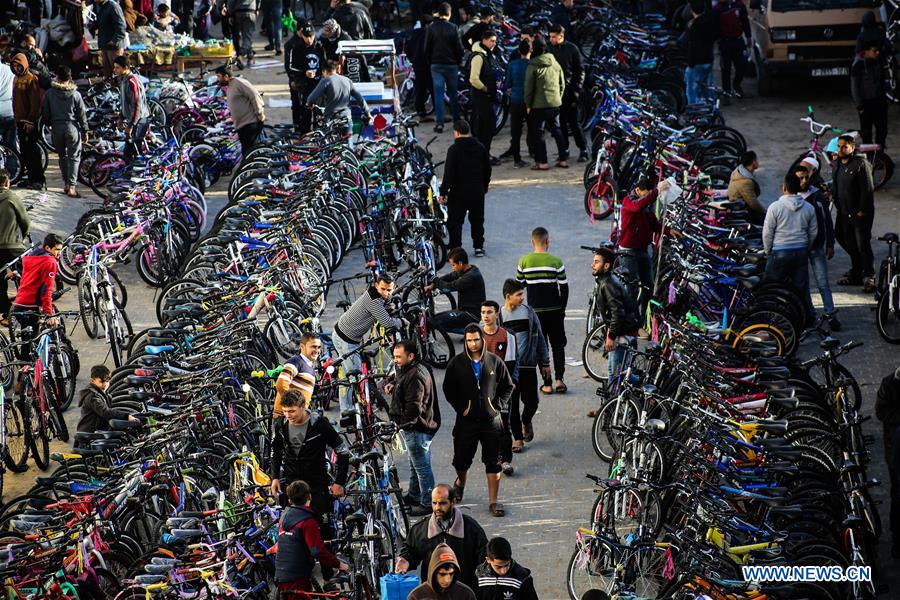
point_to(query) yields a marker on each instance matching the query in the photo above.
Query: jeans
(445, 77)
(133, 144)
(639, 268)
(421, 477)
(791, 264)
(354, 363)
(8, 137)
(549, 118)
(553, 325)
(453, 321)
(819, 263)
(242, 30)
(696, 83)
(275, 11)
(617, 356)
(67, 141)
(731, 53)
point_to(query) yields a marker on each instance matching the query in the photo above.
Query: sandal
(517, 446)
(547, 389)
(850, 279)
(496, 509)
(561, 389)
(539, 167)
(458, 490)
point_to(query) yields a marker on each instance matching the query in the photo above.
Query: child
(443, 579)
(300, 544)
(96, 411)
(502, 578)
(165, 19)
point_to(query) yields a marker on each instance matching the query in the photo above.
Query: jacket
(701, 35)
(442, 556)
(867, 81)
(38, 280)
(503, 344)
(335, 93)
(531, 348)
(544, 82)
(244, 102)
(110, 25)
(515, 584)
(514, 80)
(355, 21)
(639, 222)
(743, 186)
(236, 6)
(299, 545)
(733, 19)
(467, 171)
(852, 188)
(442, 44)
(469, 287)
(477, 401)
(330, 45)
(14, 221)
(26, 94)
(96, 411)
(568, 56)
(472, 35)
(617, 306)
(300, 58)
(309, 464)
(790, 224)
(887, 409)
(414, 404)
(36, 65)
(482, 71)
(824, 225)
(63, 106)
(464, 536)
(133, 99)
(133, 19)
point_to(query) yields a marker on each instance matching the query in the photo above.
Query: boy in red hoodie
(639, 224)
(36, 287)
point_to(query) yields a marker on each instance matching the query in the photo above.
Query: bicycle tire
(40, 438)
(593, 357)
(583, 573)
(87, 307)
(16, 439)
(57, 419)
(64, 374)
(432, 354)
(887, 321)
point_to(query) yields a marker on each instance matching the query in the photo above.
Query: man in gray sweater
(334, 93)
(788, 233)
(245, 105)
(134, 107)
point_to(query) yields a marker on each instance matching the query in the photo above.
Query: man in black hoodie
(502, 578)
(568, 56)
(467, 175)
(867, 75)
(303, 60)
(414, 408)
(854, 196)
(478, 386)
(444, 51)
(415, 52)
(96, 411)
(354, 19)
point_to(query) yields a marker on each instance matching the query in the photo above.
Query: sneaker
(834, 324)
(738, 92)
(479, 252)
(868, 285)
(439, 128)
(278, 52)
(520, 164)
(496, 162)
(583, 156)
(419, 510)
(507, 469)
(409, 500)
(269, 48)
(507, 154)
(239, 64)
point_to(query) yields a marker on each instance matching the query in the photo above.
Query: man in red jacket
(36, 287)
(639, 224)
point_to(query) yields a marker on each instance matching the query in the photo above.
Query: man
(447, 525)
(477, 385)
(619, 311)
(443, 579)
(788, 233)
(887, 409)
(354, 19)
(639, 224)
(299, 373)
(743, 186)
(545, 85)
(867, 75)
(245, 105)
(564, 14)
(514, 87)
(110, 29)
(243, 25)
(502, 578)
(303, 60)
(332, 35)
(133, 104)
(273, 9)
(701, 35)
(568, 56)
(531, 352)
(300, 544)
(334, 93)
(483, 80)
(853, 194)
(414, 408)
(29, 48)
(466, 280)
(444, 51)
(467, 175)
(96, 405)
(822, 248)
(475, 33)
(36, 287)
(544, 276)
(300, 441)
(14, 226)
(64, 111)
(415, 52)
(355, 324)
(501, 343)
(27, 110)
(734, 31)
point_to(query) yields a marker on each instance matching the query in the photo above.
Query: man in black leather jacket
(354, 19)
(854, 195)
(568, 56)
(618, 308)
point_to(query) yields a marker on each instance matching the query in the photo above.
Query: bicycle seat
(852, 521)
(123, 425)
(49, 481)
(368, 456)
(162, 341)
(149, 579)
(186, 534)
(151, 360)
(152, 569)
(107, 444)
(87, 436)
(164, 331)
(140, 395)
(357, 517)
(158, 349)
(749, 282)
(161, 560)
(829, 344)
(890, 237)
(82, 452)
(181, 522)
(654, 426)
(136, 380)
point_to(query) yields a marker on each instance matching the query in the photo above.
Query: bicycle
(887, 293)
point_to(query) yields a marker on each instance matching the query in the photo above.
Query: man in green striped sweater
(548, 294)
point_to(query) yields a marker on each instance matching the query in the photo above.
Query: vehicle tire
(65, 373)
(882, 169)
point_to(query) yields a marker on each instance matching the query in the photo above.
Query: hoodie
(544, 82)
(443, 556)
(867, 77)
(26, 93)
(96, 411)
(63, 106)
(790, 224)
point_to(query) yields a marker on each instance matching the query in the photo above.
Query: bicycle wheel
(87, 307)
(11, 160)
(16, 439)
(281, 333)
(438, 348)
(64, 370)
(592, 567)
(600, 198)
(39, 437)
(593, 356)
(56, 420)
(119, 331)
(887, 319)
(626, 510)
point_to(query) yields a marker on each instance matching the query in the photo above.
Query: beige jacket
(244, 103)
(742, 186)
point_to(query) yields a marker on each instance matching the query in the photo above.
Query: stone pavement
(548, 497)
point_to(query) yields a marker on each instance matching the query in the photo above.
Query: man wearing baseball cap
(303, 59)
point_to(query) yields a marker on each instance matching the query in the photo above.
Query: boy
(96, 411)
(443, 575)
(502, 578)
(300, 544)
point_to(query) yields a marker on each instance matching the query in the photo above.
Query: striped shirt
(545, 278)
(362, 315)
(299, 374)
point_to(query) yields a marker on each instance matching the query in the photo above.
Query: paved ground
(548, 497)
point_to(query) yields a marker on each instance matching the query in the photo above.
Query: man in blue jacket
(514, 87)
